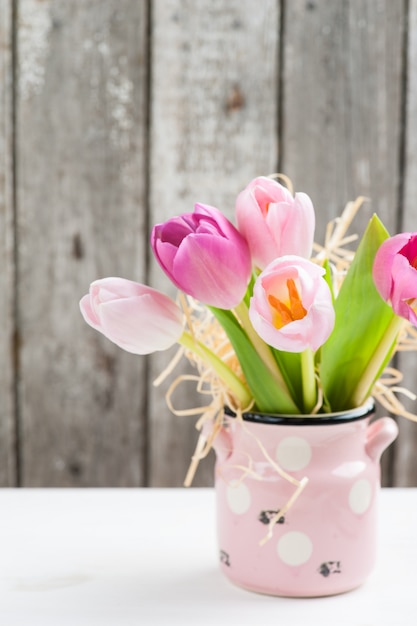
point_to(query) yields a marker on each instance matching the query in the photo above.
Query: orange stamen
(297, 308)
(283, 314)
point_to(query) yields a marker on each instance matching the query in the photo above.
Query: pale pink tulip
(204, 255)
(273, 222)
(135, 317)
(291, 308)
(395, 274)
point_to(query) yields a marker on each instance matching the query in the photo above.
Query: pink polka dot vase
(297, 500)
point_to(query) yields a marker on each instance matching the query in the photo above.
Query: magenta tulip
(395, 274)
(135, 317)
(273, 222)
(291, 308)
(204, 255)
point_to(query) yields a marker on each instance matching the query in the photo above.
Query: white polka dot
(360, 496)
(293, 453)
(295, 548)
(238, 497)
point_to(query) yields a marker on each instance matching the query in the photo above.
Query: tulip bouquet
(272, 321)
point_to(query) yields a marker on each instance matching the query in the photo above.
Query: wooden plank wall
(7, 275)
(115, 114)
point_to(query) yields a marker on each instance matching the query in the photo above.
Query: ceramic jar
(325, 542)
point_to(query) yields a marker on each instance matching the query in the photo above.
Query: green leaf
(249, 289)
(289, 364)
(269, 397)
(362, 319)
(328, 277)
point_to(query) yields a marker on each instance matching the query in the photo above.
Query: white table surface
(149, 556)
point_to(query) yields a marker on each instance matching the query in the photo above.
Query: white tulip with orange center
(291, 308)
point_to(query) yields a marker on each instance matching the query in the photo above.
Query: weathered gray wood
(405, 460)
(7, 431)
(342, 103)
(224, 107)
(214, 127)
(81, 215)
(341, 117)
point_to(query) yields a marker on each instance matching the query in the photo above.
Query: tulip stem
(379, 358)
(309, 380)
(260, 346)
(233, 382)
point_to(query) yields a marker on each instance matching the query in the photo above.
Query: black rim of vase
(322, 419)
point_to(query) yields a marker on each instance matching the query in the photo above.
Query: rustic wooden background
(115, 114)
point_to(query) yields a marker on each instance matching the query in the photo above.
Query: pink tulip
(134, 316)
(291, 308)
(395, 274)
(204, 255)
(273, 222)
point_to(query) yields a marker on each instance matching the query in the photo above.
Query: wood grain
(8, 475)
(342, 124)
(127, 113)
(214, 127)
(405, 460)
(81, 216)
(342, 104)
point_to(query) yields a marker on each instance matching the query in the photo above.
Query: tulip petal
(273, 222)
(204, 255)
(139, 325)
(312, 316)
(404, 288)
(395, 274)
(255, 230)
(89, 313)
(135, 317)
(267, 189)
(383, 262)
(214, 282)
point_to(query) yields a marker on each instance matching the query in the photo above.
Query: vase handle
(223, 445)
(379, 435)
